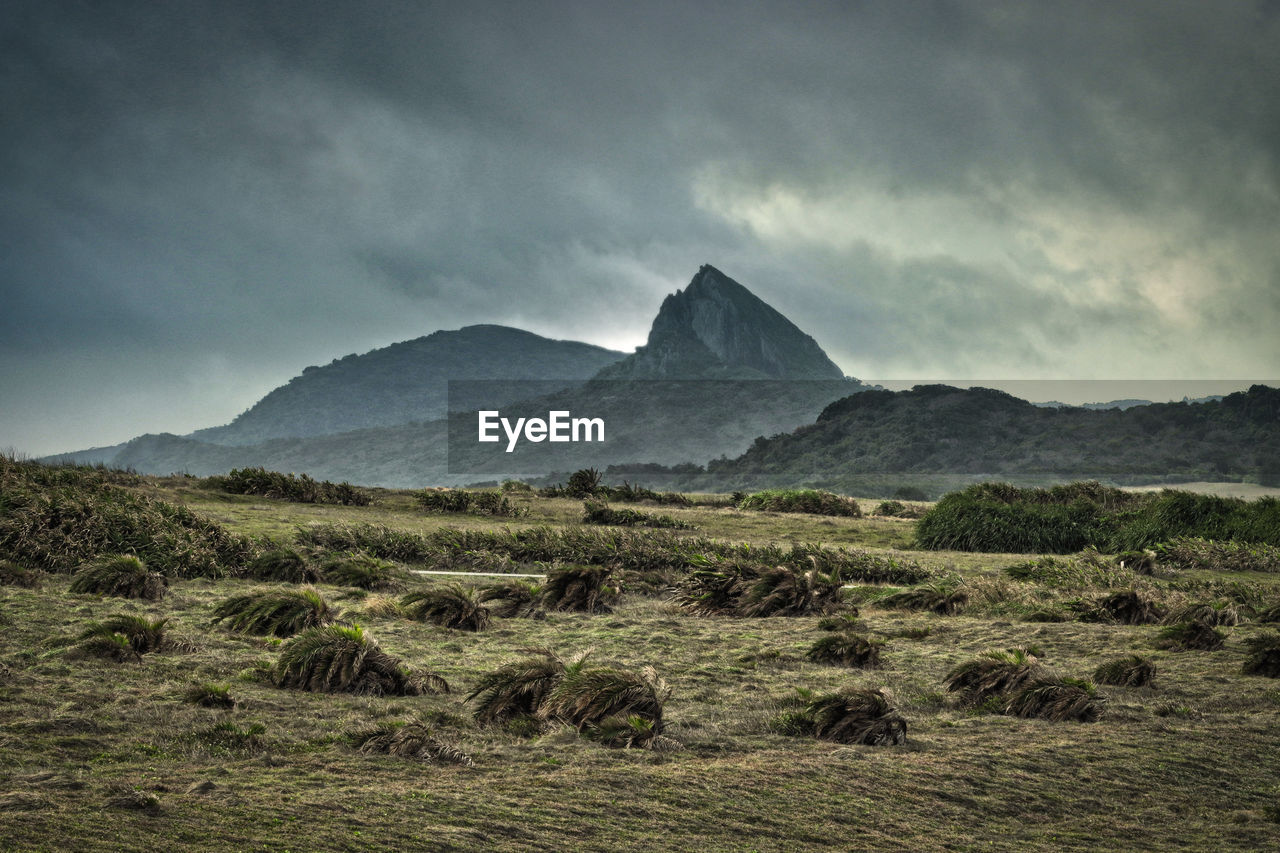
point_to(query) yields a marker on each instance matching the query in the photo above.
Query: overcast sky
(200, 199)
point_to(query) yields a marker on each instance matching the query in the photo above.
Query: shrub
(209, 695)
(1056, 700)
(282, 613)
(140, 636)
(12, 574)
(943, 597)
(341, 659)
(453, 606)
(458, 500)
(517, 487)
(1127, 607)
(121, 575)
(60, 518)
(595, 512)
(1131, 671)
(1187, 636)
(363, 572)
(994, 674)
(810, 501)
(284, 565)
(1264, 655)
(408, 740)
(599, 699)
(518, 690)
(588, 589)
(583, 483)
(289, 487)
(847, 649)
(852, 715)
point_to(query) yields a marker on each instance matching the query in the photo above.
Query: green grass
(129, 761)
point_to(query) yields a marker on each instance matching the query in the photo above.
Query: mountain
(978, 433)
(717, 329)
(405, 382)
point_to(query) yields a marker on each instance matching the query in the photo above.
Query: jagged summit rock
(717, 329)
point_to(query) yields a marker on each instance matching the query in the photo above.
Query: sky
(200, 199)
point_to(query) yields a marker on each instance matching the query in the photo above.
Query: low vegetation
(852, 715)
(461, 500)
(280, 613)
(121, 575)
(288, 487)
(362, 571)
(343, 659)
(596, 512)
(1128, 671)
(414, 740)
(810, 501)
(284, 565)
(454, 606)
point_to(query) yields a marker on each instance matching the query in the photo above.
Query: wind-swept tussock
(460, 500)
(343, 659)
(455, 606)
(207, 694)
(519, 689)
(1130, 671)
(599, 512)
(284, 565)
(282, 613)
(121, 575)
(995, 673)
(1127, 607)
(602, 702)
(1220, 612)
(945, 597)
(810, 501)
(587, 589)
(852, 715)
(511, 599)
(1056, 700)
(1188, 636)
(363, 572)
(1264, 655)
(847, 648)
(12, 574)
(140, 636)
(58, 518)
(413, 740)
(735, 588)
(1218, 555)
(377, 540)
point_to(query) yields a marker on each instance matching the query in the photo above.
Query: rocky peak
(716, 328)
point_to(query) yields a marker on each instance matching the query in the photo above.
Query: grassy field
(100, 754)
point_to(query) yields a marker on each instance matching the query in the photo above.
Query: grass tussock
(288, 487)
(363, 571)
(511, 599)
(995, 674)
(282, 565)
(1057, 700)
(585, 589)
(1222, 611)
(280, 613)
(737, 589)
(344, 659)
(619, 707)
(123, 636)
(59, 518)
(120, 575)
(518, 690)
(898, 509)
(1190, 636)
(1129, 671)
(853, 715)
(455, 606)
(1192, 552)
(415, 741)
(1264, 655)
(809, 501)
(12, 574)
(1126, 607)
(208, 694)
(847, 648)
(944, 597)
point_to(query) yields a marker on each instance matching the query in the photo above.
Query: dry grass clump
(121, 575)
(851, 715)
(618, 707)
(1188, 636)
(362, 571)
(586, 589)
(1130, 671)
(208, 694)
(1219, 612)
(1264, 655)
(413, 740)
(599, 512)
(994, 674)
(460, 500)
(1056, 700)
(284, 565)
(512, 598)
(122, 637)
(944, 597)
(343, 659)
(847, 648)
(282, 613)
(1127, 607)
(742, 589)
(518, 689)
(455, 606)
(12, 574)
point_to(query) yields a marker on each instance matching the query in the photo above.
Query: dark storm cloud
(206, 197)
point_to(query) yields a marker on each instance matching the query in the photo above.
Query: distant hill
(984, 434)
(404, 382)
